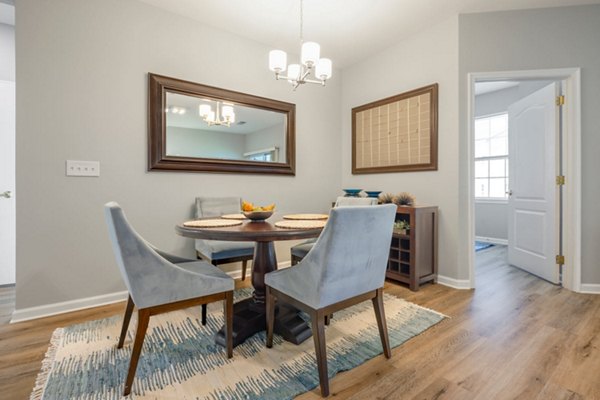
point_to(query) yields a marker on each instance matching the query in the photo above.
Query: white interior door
(7, 182)
(532, 213)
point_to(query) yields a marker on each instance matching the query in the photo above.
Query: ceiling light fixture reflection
(224, 116)
(176, 110)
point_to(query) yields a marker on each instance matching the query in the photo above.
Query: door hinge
(560, 180)
(560, 100)
(560, 259)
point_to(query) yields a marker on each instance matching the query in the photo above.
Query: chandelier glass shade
(310, 63)
(224, 115)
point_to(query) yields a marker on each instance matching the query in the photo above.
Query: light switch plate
(83, 168)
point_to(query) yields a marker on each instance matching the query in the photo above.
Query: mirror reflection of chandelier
(224, 115)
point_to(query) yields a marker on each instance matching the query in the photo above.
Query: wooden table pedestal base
(249, 318)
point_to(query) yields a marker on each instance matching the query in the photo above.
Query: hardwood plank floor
(515, 336)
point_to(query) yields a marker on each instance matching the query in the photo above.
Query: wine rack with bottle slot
(413, 254)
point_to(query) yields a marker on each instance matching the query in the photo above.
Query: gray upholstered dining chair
(346, 266)
(219, 251)
(158, 282)
(299, 251)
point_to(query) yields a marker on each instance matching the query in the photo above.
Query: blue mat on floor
(482, 246)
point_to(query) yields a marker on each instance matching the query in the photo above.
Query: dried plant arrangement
(386, 198)
(404, 199)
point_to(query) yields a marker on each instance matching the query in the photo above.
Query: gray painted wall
(85, 80)
(400, 68)
(491, 220)
(539, 39)
(7, 53)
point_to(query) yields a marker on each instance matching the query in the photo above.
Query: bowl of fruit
(257, 213)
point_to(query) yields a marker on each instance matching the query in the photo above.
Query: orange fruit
(247, 206)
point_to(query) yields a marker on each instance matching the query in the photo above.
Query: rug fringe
(42, 378)
(433, 311)
(426, 308)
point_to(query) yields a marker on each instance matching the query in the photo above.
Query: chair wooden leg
(380, 315)
(318, 328)
(270, 316)
(328, 319)
(204, 314)
(244, 266)
(229, 323)
(126, 319)
(143, 318)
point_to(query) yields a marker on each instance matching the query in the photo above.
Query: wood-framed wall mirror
(194, 127)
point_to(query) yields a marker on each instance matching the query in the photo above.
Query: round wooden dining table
(249, 314)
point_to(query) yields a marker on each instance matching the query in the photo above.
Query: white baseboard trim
(48, 310)
(484, 239)
(592, 288)
(453, 283)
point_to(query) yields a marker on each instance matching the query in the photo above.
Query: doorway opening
(7, 161)
(7, 200)
(519, 159)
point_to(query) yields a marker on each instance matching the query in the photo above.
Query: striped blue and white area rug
(180, 360)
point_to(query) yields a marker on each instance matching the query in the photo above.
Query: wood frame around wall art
(159, 85)
(432, 115)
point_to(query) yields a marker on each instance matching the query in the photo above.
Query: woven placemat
(211, 223)
(306, 216)
(233, 216)
(300, 224)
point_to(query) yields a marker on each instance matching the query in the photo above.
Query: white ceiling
(348, 30)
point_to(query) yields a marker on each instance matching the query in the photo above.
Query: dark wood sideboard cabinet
(413, 256)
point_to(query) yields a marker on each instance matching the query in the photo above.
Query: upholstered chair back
(148, 276)
(343, 201)
(217, 206)
(349, 258)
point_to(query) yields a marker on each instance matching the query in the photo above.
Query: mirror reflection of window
(268, 155)
(261, 157)
(211, 128)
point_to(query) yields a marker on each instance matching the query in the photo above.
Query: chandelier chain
(301, 21)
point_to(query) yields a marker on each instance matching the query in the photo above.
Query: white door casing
(532, 207)
(7, 182)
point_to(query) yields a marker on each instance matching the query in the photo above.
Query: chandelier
(224, 116)
(298, 74)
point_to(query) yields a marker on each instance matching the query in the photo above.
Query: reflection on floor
(482, 245)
